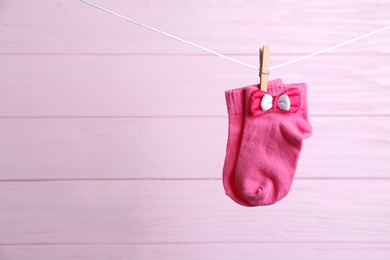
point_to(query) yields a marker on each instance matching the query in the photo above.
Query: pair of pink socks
(266, 130)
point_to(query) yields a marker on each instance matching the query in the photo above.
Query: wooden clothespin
(264, 64)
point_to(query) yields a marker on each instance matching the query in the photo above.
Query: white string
(331, 48)
(230, 58)
(170, 35)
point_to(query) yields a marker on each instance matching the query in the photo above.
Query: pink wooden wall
(112, 137)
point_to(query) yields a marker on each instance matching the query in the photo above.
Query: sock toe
(259, 192)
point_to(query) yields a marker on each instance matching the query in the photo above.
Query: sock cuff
(235, 98)
(235, 101)
(276, 87)
(302, 87)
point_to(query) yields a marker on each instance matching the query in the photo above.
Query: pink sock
(235, 100)
(236, 106)
(262, 154)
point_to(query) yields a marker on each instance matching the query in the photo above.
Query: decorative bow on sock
(261, 102)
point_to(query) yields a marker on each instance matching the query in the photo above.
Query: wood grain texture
(167, 86)
(345, 147)
(145, 212)
(294, 27)
(221, 251)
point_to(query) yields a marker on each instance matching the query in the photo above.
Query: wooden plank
(73, 86)
(347, 147)
(150, 212)
(307, 251)
(127, 137)
(297, 28)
